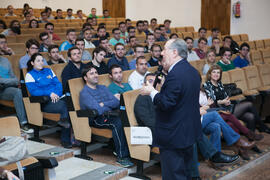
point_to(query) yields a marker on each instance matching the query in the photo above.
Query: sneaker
(64, 123)
(124, 162)
(26, 129)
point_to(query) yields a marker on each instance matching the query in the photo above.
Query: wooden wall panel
(216, 13)
(117, 8)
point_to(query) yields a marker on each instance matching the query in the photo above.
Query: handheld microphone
(159, 73)
(64, 95)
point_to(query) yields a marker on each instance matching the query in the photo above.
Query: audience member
(42, 81)
(153, 25)
(80, 14)
(202, 34)
(210, 60)
(192, 55)
(46, 41)
(119, 57)
(86, 56)
(106, 14)
(48, 10)
(98, 97)
(123, 30)
(202, 47)
(71, 37)
(136, 78)
(131, 32)
(4, 49)
(32, 47)
(139, 51)
(10, 10)
(132, 44)
(59, 14)
(14, 29)
(117, 87)
(216, 45)
(87, 35)
(49, 28)
(146, 27)
(150, 40)
(174, 36)
(215, 33)
(33, 24)
(243, 59)
(98, 60)
(155, 55)
(9, 91)
(158, 36)
(44, 17)
(2, 24)
(31, 11)
(116, 37)
(167, 24)
(27, 18)
(140, 29)
(128, 23)
(69, 14)
(93, 13)
(230, 43)
(164, 35)
(225, 62)
(74, 67)
(54, 56)
(105, 44)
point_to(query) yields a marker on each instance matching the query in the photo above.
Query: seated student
(119, 57)
(49, 28)
(93, 13)
(9, 91)
(225, 63)
(123, 30)
(158, 36)
(98, 97)
(104, 43)
(116, 37)
(14, 29)
(136, 78)
(4, 49)
(153, 25)
(10, 11)
(164, 35)
(167, 24)
(33, 24)
(106, 14)
(48, 10)
(210, 60)
(117, 86)
(42, 81)
(98, 57)
(155, 55)
(192, 55)
(216, 46)
(202, 48)
(86, 56)
(215, 33)
(59, 14)
(32, 46)
(243, 59)
(71, 37)
(101, 32)
(27, 18)
(139, 51)
(80, 14)
(69, 14)
(74, 67)
(3, 25)
(140, 28)
(132, 44)
(46, 42)
(150, 40)
(173, 36)
(87, 35)
(7, 174)
(202, 34)
(54, 56)
(131, 32)
(146, 27)
(228, 42)
(43, 17)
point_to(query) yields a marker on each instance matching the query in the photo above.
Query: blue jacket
(90, 99)
(178, 122)
(43, 83)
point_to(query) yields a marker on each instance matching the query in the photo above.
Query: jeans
(115, 124)
(15, 95)
(59, 107)
(213, 124)
(206, 149)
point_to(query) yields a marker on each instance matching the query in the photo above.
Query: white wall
(254, 19)
(84, 5)
(181, 12)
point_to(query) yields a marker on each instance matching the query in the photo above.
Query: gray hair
(181, 47)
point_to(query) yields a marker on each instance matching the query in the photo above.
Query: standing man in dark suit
(178, 123)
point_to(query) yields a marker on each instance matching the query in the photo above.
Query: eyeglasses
(46, 38)
(34, 48)
(3, 42)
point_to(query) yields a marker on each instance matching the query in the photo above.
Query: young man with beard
(155, 55)
(119, 57)
(46, 42)
(87, 35)
(54, 56)
(104, 43)
(86, 56)
(4, 49)
(70, 42)
(192, 55)
(139, 51)
(49, 27)
(117, 87)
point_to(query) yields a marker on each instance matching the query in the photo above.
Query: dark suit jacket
(178, 122)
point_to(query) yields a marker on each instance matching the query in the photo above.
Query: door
(216, 13)
(117, 8)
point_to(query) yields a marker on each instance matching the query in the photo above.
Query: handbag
(12, 149)
(232, 89)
